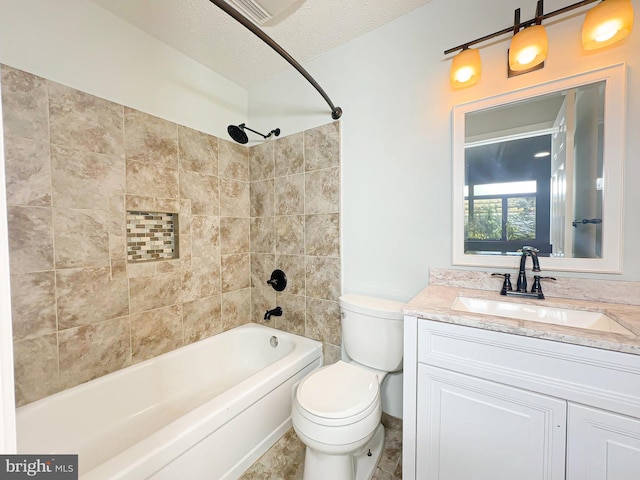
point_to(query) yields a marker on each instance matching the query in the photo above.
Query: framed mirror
(542, 166)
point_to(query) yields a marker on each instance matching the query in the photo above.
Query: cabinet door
(602, 445)
(473, 429)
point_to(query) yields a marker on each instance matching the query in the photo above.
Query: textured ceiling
(200, 30)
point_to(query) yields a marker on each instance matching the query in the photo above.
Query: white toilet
(337, 408)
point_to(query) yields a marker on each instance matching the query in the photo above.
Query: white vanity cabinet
(602, 445)
(471, 428)
(485, 405)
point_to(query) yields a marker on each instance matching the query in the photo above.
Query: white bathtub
(205, 411)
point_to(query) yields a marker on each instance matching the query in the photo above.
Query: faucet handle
(278, 280)
(537, 287)
(506, 286)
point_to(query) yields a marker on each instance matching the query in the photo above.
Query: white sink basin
(540, 313)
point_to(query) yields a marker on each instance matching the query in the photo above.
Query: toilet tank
(372, 331)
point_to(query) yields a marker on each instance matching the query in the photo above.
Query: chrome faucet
(532, 252)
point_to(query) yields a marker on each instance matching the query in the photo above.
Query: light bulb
(464, 74)
(607, 30)
(527, 55)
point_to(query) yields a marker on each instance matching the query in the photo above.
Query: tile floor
(285, 460)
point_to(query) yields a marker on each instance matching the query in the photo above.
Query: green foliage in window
(521, 218)
(486, 221)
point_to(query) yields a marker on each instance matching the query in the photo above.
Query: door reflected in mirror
(542, 167)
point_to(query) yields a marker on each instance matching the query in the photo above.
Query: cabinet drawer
(591, 376)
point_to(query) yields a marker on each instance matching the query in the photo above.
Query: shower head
(238, 134)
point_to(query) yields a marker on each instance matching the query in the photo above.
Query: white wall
(396, 148)
(78, 44)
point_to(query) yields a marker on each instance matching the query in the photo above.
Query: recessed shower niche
(151, 236)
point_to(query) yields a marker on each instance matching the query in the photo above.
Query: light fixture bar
(539, 14)
(518, 26)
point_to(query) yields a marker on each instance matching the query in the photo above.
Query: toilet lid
(337, 391)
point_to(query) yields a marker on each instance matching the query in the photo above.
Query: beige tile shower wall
(75, 164)
(295, 226)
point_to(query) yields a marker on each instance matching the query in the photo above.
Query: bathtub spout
(276, 312)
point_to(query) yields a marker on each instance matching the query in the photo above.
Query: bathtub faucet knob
(276, 312)
(278, 280)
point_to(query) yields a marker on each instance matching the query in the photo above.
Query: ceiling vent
(266, 11)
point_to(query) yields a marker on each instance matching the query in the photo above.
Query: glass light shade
(606, 23)
(529, 47)
(466, 68)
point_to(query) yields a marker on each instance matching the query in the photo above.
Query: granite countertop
(435, 302)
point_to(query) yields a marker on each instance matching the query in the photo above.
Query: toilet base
(366, 465)
(356, 466)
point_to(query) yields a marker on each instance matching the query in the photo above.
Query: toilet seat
(338, 394)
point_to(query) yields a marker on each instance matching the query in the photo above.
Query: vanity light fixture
(529, 47)
(466, 68)
(605, 24)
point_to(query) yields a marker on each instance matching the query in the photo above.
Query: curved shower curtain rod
(336, 112)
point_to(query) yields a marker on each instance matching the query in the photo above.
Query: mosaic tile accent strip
(151, 236)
